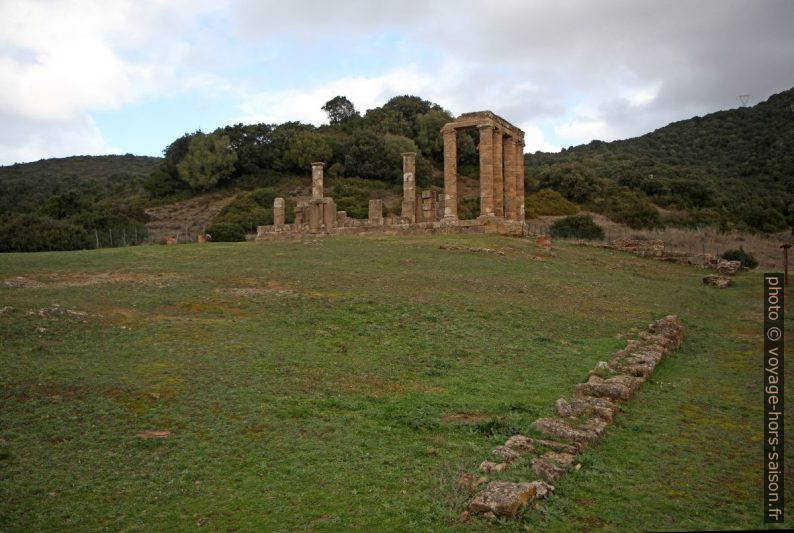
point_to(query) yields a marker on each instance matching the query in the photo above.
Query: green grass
(307, 386)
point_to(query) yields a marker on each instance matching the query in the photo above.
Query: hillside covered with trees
(731, 169)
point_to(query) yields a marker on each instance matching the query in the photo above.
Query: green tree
(428, 134)
(367, 157)
(209, 159)
(253, 144)
(340, 110)
(296, 146)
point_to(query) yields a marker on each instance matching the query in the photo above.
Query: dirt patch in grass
(21, 282)
(124, 311)
(82, 279)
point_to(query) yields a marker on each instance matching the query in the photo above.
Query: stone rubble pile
(581, 420)
(655, 249)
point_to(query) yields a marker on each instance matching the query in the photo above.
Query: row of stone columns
(501, 173)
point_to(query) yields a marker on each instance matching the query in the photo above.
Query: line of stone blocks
(580, 421)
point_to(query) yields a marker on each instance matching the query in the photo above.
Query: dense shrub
(469, 208)
(577, 227)
(746, 258)
(249, 210)
(548, 202)
(31, 233)
(630, 208)
(226, 232)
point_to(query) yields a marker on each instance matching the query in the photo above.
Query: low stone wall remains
(581, 420)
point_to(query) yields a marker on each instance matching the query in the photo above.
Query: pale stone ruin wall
(581, 420)
(501, 192)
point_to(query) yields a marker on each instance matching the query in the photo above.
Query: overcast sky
(84, 77)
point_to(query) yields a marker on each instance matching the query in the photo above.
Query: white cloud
(583, 70)
(61, 60)
(582, 131)
(305, 104)
(535, 140)
(26, 140)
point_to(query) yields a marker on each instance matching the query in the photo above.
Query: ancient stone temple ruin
(501, 152)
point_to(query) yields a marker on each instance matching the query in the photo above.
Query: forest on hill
(734, 169)
(731, 169)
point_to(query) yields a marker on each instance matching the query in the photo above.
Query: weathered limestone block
(669, 327)
(588, 406)
(409, 186)
(467, 483)
(728, 268)
(558, 446)
(520, 444)
(507, 454)
(721, 282)
(563, 408)
(278, 212)
(376, 211)
(510, 174)
(490, 466)
(500, 181)
(519, 173)
(486, 170)
(503, 498)
(547, 470)
(615, 391)
(427, 207)
(552, 465)
(562, 459)
(450, 172)
(596, 425)
(315, 215)
(329, 214)
(317, 180)
(557, 427)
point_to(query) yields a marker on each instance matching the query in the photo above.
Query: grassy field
(346, 383)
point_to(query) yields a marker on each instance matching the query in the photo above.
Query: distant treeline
(731, 169)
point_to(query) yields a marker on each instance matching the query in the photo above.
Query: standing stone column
(409, 186)
(500, 202)
(520, 178)
(317, 180)
(450, 173)
(510, 176)
(486, 169)
(376, 212)
(278, 212)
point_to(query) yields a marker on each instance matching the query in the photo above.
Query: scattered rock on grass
(503, 498)
(507, 454)
(490, 466)
(721, 282)
(728, 268)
